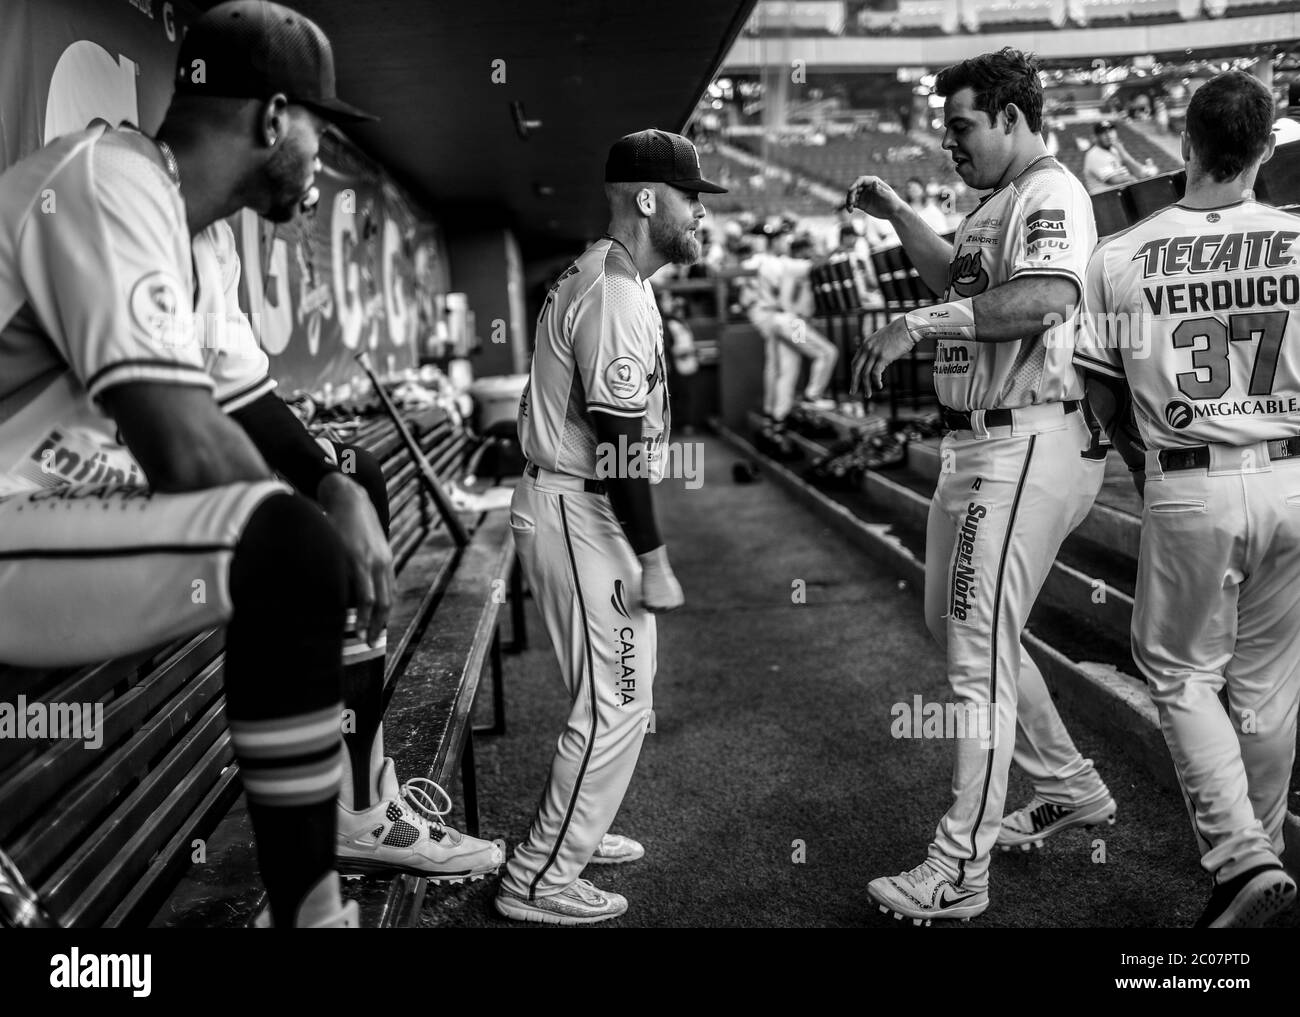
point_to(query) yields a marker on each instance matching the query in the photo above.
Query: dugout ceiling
(589, 70)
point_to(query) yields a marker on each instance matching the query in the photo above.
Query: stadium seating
(105, 836)
(1074, 140)
(751, 190)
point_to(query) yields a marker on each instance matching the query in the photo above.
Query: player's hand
(876, 352)
(660, 590)
(370, 560)
(873, 196)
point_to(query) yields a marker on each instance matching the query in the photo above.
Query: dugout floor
(773, 727)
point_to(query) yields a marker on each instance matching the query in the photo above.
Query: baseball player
(586, 533)
(1016, 475)
(139, 434)
(1216, 400)
(776, 299)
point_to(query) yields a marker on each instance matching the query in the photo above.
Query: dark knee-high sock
(288, 586)
(363, 665)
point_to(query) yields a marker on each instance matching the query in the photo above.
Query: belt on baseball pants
(1198, 456)
(564, 480)
(961, 420)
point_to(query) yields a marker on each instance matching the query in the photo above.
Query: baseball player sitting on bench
(140, 441)
(1018, 473)
(587, 537)
(1194, 311)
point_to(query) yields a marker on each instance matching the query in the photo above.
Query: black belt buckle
(1284, 448)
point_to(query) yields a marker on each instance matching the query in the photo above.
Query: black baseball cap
(1102, 126)
(251, 49)
(657, 157)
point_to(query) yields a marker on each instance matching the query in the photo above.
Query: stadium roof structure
(581, 72)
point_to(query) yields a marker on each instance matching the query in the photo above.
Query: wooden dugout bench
(106, 836)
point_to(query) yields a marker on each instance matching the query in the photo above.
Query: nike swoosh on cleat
(946, 902)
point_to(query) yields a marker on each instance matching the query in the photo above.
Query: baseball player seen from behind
(1018, 468)
(123, 319)
(1215, 397)
(587, 537)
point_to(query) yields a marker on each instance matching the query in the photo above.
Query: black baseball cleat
(1249, 900)
(20, 907)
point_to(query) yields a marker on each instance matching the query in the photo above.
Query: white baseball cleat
(404, 832)
(1033, 823)
(614, 849)
(579, 903)
(925, 894)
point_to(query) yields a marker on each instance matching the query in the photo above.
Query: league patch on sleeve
(161, 309)
(624, 377)
(1046, 229)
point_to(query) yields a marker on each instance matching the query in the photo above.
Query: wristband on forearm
(954, 321)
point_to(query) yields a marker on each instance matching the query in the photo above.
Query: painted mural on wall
(364, 272)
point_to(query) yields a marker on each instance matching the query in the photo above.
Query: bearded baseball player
(1017, 475)
(586, 533)
(140, 443)
(1193, 310)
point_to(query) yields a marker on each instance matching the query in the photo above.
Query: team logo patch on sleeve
(159, 307)
(967, 275)
(1047, 224)
(624, 377)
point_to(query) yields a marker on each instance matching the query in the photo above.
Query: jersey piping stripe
(628, 411)
(1100, 366)
(247, 394)
(114, 552)
(993, 655)
(591, 693)
(168, 365)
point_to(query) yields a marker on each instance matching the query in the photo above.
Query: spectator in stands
(918, 196)
(1287, 128)
(1108, 164)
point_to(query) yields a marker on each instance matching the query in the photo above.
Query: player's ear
(274, 121)
(646, 200)
(1269, 147)
(1011, 113)
(1185, 146)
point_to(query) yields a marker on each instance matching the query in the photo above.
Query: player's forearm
(628, 489)
(285, 443)
(1109, 400)
(928, 251)
(1023, 307)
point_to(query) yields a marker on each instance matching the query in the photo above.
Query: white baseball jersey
(761, 292)
(1198, 307)
(1039, 225)
(1102, 168)
(151, 307)
(600, 348)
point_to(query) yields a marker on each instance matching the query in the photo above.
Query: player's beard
(679, 246)
(287, 174)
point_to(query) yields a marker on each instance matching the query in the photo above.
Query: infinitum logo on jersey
(1047, 229)
(964, 566)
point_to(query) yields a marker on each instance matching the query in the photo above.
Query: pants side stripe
(591, 679)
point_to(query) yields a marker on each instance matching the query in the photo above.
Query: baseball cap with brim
(657, 157)
(252, 49)
(1102, 126)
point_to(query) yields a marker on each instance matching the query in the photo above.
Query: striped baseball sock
(363, 695)
(291, 768)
